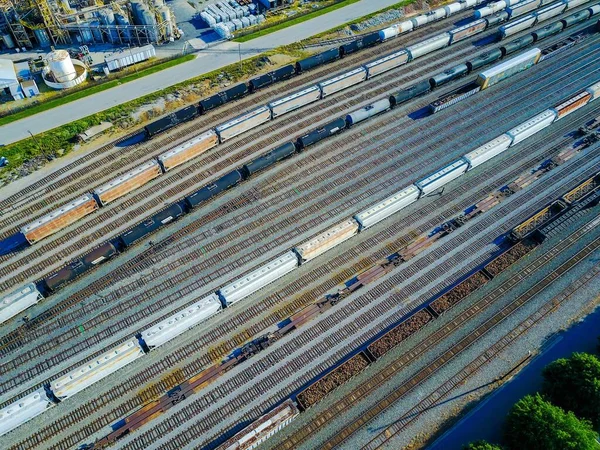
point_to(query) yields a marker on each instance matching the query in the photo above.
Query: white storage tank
(259, 278)
(180, 322)
(327, 240)
(61, 65)
(488, 150)
(532, 126)
(442, 177)
(387, 207)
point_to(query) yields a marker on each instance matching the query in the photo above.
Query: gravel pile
(460, 291)
(317, 391)
(393, 337)
(378, 20)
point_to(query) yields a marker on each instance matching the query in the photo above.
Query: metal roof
(8, 76)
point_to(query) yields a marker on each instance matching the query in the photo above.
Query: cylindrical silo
(8, 40)
(165, 15)
(61, 65)
(42, 37)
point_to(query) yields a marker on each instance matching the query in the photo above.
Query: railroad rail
(369, 387)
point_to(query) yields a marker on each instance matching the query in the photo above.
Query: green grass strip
(53, 103)
(294, 21)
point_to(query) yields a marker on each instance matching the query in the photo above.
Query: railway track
(263, 189)
(131, 155)
(391, 369)
(125, 214)
(46, 432)
(50, 361)
(285, 368)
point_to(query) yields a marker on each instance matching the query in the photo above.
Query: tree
(481, 445)
(574, 385)
(536, 424)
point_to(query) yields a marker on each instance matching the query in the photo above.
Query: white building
(9, 80)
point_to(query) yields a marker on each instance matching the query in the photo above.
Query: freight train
(174, 326)
(211, 138)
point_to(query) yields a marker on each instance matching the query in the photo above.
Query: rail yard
(328, 251)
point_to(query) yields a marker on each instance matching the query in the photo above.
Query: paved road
(213, 58)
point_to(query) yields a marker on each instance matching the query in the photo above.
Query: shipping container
(448, 75)
(188, 150)
(442, 177)
(495, 19)
(152, 224)
(327, 240)
(270, 158)
(594, 91)
(96, 369)
(573, 104)
(516, 26)
(23, 410)
(368, 111)
(420, 88)
(547, 12)
(454, 97)
(317, 60)
(213, 189)
(517, 44)
(321, 133)
(263, 428)
(343, 81)
(128, 182)
(181, 321)
(222, 97)
(19, 300)
(295, 101)
(59, 219)
(508, 68)
(576, 18)
(259, 278)
(522, 7)
(547, 31)
(386, 63)
(387, 207)
(427, 46)
(487, 151)
(125, 58)
(460, 33)
(173, 119)
(243, 123)
(484, 59)
(532, 126)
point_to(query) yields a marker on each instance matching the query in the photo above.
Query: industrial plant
(26, 24)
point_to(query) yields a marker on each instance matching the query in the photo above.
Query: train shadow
(485, 41)
(135, 139)
(420, 113)
(461, 22)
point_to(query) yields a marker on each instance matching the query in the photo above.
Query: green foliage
(536, 424)
(574, 385)
(481, 445)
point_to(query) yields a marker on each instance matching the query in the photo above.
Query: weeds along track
(286, 367)
(102, 164)
(118, 393)
(230, 238)
(391, 369)
(126, 307)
